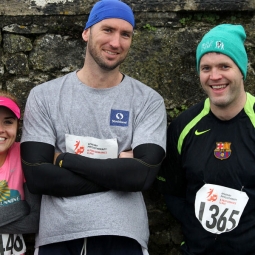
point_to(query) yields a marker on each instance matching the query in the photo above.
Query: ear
(85, 34)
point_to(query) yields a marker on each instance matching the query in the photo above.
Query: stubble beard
(99, 60)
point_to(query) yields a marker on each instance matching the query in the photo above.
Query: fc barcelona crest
(222, 150)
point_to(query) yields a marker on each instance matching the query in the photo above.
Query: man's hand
(126, 154)
(55, 157)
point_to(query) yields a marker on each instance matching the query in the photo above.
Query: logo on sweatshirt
(119, 118)
(222, 150)
(201, 132)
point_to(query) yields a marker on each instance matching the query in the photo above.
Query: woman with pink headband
(19, 209)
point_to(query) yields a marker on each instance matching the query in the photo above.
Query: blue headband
(107, 9)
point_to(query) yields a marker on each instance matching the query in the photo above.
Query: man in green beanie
(208, 176)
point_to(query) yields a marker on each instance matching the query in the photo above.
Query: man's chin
(110, 67)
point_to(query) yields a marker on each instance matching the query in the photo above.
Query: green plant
(211, 18)
(184, 107)
(149, 27)
(185, 20)
(177, 111)
(233, 18)
(174, 113)
(198, 16)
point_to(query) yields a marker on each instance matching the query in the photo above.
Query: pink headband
(7, 102)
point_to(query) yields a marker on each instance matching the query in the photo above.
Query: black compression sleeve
(43, 177)
(125, 174)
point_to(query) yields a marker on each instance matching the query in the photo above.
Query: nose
(2, 129)
(215, 74)
(115, 40)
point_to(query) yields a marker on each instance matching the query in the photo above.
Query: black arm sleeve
(125, 174)
(30, 222)
(43, 177)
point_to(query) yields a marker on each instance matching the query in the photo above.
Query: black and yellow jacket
(203, 149)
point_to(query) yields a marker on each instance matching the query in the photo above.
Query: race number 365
(219, 208)
(12, 244)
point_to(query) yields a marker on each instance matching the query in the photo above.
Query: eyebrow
(9, 117)
(225, 63)
(204, 65)
(220, 63)
(111, 27)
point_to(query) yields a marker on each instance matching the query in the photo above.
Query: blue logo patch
(119, 118)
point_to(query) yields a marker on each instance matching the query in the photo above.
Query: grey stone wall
(41, 40)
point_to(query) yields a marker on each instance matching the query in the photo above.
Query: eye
(108, 30)
(126, 35)
(224, 66)
(8, 122)
(204, 68)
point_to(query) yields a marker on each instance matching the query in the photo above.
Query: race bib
(92, 147)
(12, 244)
(219, 208)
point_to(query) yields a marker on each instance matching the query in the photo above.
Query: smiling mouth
(111, 53)
(218, 86)
(2, 139)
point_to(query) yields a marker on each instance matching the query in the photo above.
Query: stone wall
(41, 40)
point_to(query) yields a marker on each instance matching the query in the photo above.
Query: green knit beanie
(226, 39)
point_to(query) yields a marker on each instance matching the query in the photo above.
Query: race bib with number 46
(219, 208)
(12, 244)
